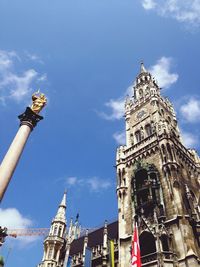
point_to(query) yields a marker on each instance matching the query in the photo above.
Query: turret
(56, 238)
(145, 85)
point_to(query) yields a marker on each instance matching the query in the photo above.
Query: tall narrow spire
(60, 216)
(63, 202)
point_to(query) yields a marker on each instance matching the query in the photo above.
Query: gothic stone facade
(157, 188)
(63, 242)
(157, 182)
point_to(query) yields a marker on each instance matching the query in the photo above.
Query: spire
(142, 68)
(63, 202)
(60, 216)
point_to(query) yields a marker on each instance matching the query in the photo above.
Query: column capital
(29, 118)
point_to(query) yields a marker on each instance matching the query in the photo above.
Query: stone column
(28, 121)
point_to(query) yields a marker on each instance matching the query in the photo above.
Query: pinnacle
(142, 68)
(63, 202)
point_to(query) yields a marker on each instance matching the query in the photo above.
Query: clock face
(141, 114)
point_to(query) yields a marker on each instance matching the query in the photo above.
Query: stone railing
(166, 255)
(54, 238)
(140, 145)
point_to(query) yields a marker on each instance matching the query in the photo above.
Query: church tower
(54, 243)
(158, 182)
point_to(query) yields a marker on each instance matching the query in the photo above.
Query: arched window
(164, 153)
(138, 136)
(169, 119)
(148, 130)
(60, 231)
(147, 243)
(119, 177)
(141, 178)
(55, 230)
(164, 241)
(147, 191)
(143, 193)
(55, 253)
(50, 252)
(169, 152)
(141, 93)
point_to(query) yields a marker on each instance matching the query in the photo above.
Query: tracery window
(164, 153)
(148, 129)
(169, 152)
(138, 136)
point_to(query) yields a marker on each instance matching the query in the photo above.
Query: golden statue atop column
(38, 102)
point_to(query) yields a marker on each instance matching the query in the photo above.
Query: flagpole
(135, 251)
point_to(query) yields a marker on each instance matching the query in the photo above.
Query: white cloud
(161, 72)
(11, 218)
(190, 111)
(42, 78)
(148, 4)
(13, 85)
(71, 181)
(33, 57)
(120, 137)
(97, 184)
(189, 139)
(116, 106)
(94, 184)
(187, 11)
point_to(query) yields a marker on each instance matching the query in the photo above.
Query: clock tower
(157, 182)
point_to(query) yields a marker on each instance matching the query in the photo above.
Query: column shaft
(12, 157)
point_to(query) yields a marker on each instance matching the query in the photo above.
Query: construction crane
(4, 232)
(28, 232)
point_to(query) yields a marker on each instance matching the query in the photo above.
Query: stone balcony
(153, 259)
(141, 146)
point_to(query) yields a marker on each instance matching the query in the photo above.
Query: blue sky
(84, 55)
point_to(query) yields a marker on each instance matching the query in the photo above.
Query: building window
(147, 243)
(119, 178)
(169, 152)
(141, 93)
(147, 192)
(55, 230)
(138, 136)
(60, 231)
(164, 241)
(50, 253)
(148, 130)
(164, 153)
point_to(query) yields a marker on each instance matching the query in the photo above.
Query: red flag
(135, 251)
